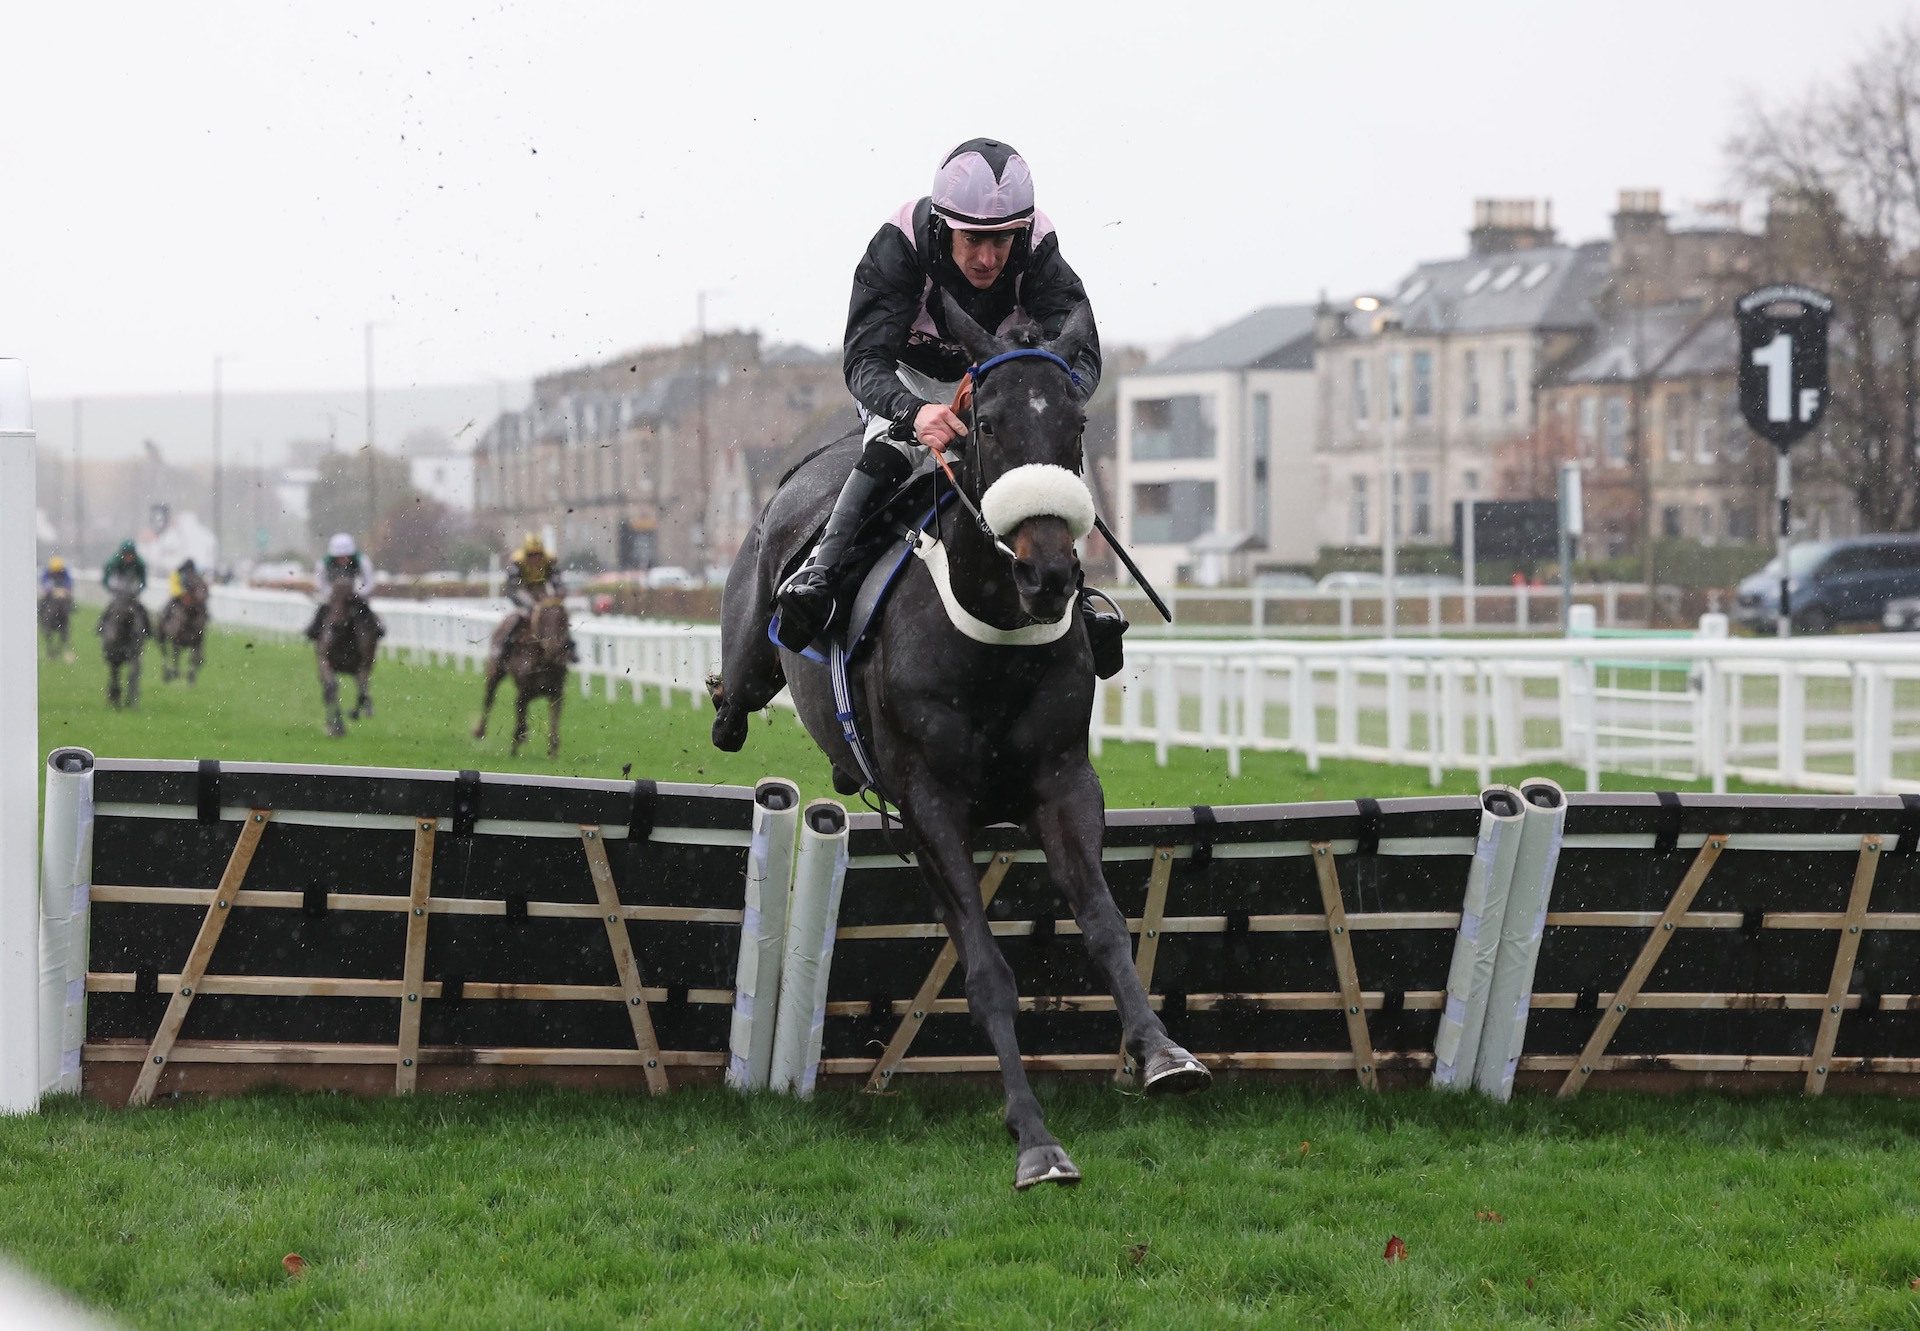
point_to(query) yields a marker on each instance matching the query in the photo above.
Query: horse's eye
(986, 426)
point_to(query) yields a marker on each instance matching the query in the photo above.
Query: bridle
(963, 405)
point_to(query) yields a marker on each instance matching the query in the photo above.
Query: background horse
(962, 732)
(537, 660)
(347, 645)
(123, 639)
(182, 631)
(56, 617)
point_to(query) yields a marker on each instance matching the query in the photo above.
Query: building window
(1172, 512)
(1673, 427)
(1470, 373)
(1262, 441)
(1589, 435)
(1703, 409)
(1173, 427)
(1509, 383)
(1362, 391)
(1706, 516)
(1614, 441)
(1739, 522)
(1358, 505)
(1396, 366)
(1422, 516)
(1670, 524)
(1422, 385)
(1470, 481)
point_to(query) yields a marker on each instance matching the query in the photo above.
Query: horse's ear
(979, 343)
(1075, 334)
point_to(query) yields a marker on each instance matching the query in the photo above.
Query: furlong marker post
(19, 753)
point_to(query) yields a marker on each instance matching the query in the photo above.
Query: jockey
(979, 239)
(533, 575)
(126, 572)
(185, 583)
(55, 580)
(343, 560)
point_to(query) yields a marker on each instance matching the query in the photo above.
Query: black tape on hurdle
(1203, 817)
(453, 988)
(1666, 834)
(644, 808)
(1909, 825)
(466, 802)
(206, 792)
(1367, 841)
(313, 901)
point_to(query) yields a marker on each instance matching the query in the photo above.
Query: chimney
(1329, 324)
(1639, 214)
(1501, 226)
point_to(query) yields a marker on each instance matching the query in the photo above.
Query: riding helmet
(983, 185)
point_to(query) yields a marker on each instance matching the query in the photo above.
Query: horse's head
(1025, 455)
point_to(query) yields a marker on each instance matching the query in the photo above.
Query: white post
(1467, 556)
(763, 934)
(1470, 976)
(1510, 994)
(66, 886)
(818, 874)
(19, 752)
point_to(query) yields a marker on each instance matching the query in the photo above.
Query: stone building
(659, 457)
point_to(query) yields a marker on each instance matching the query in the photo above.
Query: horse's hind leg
(363, 685)
(1068, 822)
(992, 999)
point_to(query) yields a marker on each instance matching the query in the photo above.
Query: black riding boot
(806, 598)
(1105, 628)
(313, 629)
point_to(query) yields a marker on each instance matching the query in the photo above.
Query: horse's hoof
(729, 728)
(1045, 1164)
(1173, 1071)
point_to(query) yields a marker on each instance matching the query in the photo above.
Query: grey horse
(964, 733)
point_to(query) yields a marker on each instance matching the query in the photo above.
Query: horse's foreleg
(1069, 821)
(554, 700)
(113, 683)
(992, 999)
(486, 702)
(519, 720)
(133, 679)
(330, 697)
(197, 660)
(363, 686)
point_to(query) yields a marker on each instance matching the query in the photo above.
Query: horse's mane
(1026, 335)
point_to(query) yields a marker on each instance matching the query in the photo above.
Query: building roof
(1552, 287)
(1674, 341)
(1279, 337)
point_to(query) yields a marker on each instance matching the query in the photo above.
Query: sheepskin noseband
(1038, 489)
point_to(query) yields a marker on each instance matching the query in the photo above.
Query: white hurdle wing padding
(819, 871)
(763, 933)
(1511, 995)
(66, 884)
(1502, 816)
(19, 753)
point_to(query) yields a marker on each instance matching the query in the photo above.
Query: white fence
(1436, 611)
(1839, 714)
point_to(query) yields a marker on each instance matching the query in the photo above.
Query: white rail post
(66, 888)
(19, 752)
(819, 872)
(763, 934)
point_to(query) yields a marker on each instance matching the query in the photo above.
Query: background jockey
(185, 583)
(343, 560)
(978, 238)
(126, 572)
(532, 576)
(55, 580)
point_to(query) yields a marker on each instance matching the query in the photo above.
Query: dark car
(1847, 581)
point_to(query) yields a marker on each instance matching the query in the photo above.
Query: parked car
(671, 575)
(1846, 581)
(1283, 582)
(1902, 616)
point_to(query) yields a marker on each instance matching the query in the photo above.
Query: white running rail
(1835, 713)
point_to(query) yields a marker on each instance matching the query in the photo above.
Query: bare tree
(1840, 168)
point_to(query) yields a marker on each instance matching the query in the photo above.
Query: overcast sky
(519, 187)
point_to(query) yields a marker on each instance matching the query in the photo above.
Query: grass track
(1249, 1207)
(537, 1210)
